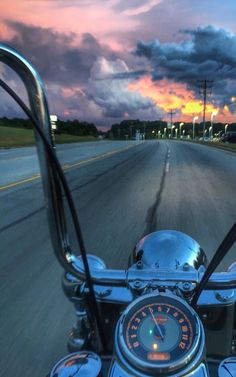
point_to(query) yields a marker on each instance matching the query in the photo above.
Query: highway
(17, 164)
(119, 197)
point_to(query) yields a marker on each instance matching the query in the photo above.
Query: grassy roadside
(18, 137)
(225, 146)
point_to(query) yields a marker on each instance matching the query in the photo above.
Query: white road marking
(167, 168)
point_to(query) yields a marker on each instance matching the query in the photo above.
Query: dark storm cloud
(113, 95)
(134, 75)
(208, 53)
(55, 55)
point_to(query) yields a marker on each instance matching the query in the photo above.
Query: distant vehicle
(229, 137)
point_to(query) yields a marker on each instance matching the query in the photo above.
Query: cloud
(55, 55)
(84, 81)
(8, 106)
(112, 93)
(136, 7)
(208, 53)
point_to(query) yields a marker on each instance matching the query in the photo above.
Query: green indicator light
(150, 332)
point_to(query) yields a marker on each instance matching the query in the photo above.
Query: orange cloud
(69, 92)
(170, 95)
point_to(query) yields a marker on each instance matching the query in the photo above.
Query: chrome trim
(200, 371)
(123, 295)
(218, 280)
(117, 370)
(232, 267)
(94, 262)
(169, 249)
(217, 298)
(83, 363)
(227, 367)
(181, 368)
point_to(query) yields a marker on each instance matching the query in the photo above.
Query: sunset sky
(107, 60)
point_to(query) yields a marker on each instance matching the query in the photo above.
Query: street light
(180, 126)
(214, 113)
(194, 120)
(210, 132)
(226, 126)
(172, 130)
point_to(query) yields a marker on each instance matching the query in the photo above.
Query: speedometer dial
(159, 331)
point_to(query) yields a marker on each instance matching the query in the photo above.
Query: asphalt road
(21, 163)
(153, 185)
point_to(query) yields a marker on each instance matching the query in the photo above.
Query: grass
(226, 146)
(66, 138)
(17, 137)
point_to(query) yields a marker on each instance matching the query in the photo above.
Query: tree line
(72, 127)
(128, 128)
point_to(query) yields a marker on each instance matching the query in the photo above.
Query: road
(21, 163)
(119, 198)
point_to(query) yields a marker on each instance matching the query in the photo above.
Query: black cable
(54, 160)
(222, 250)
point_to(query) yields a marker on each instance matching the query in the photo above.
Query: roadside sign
(53, 119)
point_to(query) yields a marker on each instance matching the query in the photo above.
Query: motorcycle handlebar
(218, 280)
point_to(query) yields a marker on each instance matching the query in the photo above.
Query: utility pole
(171, 113)
(205, 88)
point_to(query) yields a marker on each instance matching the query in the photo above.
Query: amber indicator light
(163, 356)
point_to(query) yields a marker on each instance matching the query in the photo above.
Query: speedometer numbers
(159, 332)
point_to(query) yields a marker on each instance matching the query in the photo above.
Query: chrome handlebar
(218, 280)
(40, 112)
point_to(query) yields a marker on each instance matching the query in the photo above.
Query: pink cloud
(144, 8)
(97, 17)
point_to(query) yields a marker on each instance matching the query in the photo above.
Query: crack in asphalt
(22, 219)
(151, 220)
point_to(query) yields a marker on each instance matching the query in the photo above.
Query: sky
(103, 61)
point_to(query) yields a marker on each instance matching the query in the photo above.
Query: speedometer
(159, 333)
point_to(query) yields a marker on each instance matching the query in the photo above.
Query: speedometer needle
(155, 321)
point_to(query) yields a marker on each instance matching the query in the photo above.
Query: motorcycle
(168, 314)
